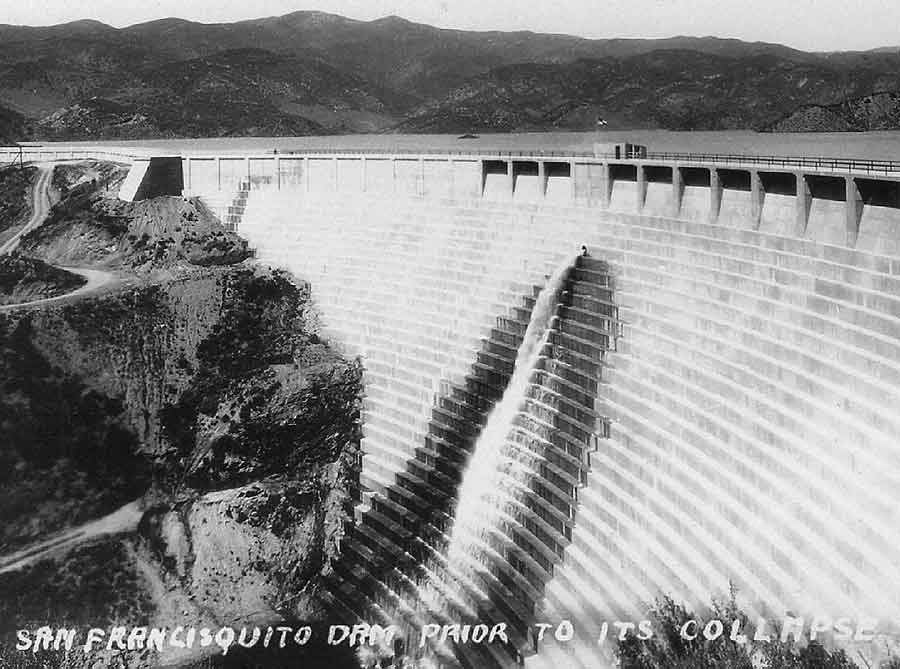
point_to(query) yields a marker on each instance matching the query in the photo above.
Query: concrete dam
(706, 398)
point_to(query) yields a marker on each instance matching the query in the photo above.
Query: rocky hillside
(15, 203)
(12, 126)
(91, 226)
(23, 279)
(880, 111)
(179, 448)
(315, 73)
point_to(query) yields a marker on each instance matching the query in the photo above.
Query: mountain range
(316, 73)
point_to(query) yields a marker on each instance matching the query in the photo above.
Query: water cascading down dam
(714, 404)
(485, 507)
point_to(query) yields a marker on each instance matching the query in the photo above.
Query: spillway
(712, 403)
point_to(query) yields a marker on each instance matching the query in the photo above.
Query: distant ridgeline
(312, 73)
(711, 399)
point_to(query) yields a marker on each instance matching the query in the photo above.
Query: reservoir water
(883, 145)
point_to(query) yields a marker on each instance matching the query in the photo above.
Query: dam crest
(712, 403)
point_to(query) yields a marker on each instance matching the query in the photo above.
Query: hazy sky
(808, 24)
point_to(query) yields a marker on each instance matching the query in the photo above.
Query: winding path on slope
(40, 207)
(126, 518)
(123, 520)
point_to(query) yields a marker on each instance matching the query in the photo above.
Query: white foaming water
(494, 478)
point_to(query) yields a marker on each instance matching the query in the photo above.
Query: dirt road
(41, 205)
(125, 519)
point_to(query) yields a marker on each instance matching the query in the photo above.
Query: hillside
(673, 89)
(179, 448)
(316, 73)
(880, 111)
(12, 126)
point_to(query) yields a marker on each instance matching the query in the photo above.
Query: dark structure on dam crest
(715, 404)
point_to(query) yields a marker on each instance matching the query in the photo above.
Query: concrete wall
(746, 426)
(827, 210)
(736, 202)
(751, 395)
(879, 227)
(660, 198)
(818, 206)
(624, 192)
(779, 210)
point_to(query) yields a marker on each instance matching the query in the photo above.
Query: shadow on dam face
(397, 563)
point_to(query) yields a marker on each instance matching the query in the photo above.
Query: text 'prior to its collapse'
(362, 634)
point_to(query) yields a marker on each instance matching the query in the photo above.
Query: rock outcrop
(195, 393)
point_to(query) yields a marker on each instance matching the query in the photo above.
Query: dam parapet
(854, 204)
(834, 201)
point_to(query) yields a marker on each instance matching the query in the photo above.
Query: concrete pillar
(187, 176)
(510, 176)
(757, 195)
(246, 172)
(218, 173)
(605, 186)
(572, 189)
(306, 173)
(394, 174)
(278, 172)
(641, 188)
(802, 204)
(542, 178)
(420, 191)
(452, 189)
(715, 195)
(677, 190)
(854, 211)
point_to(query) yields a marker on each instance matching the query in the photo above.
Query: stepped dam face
(706, 398)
